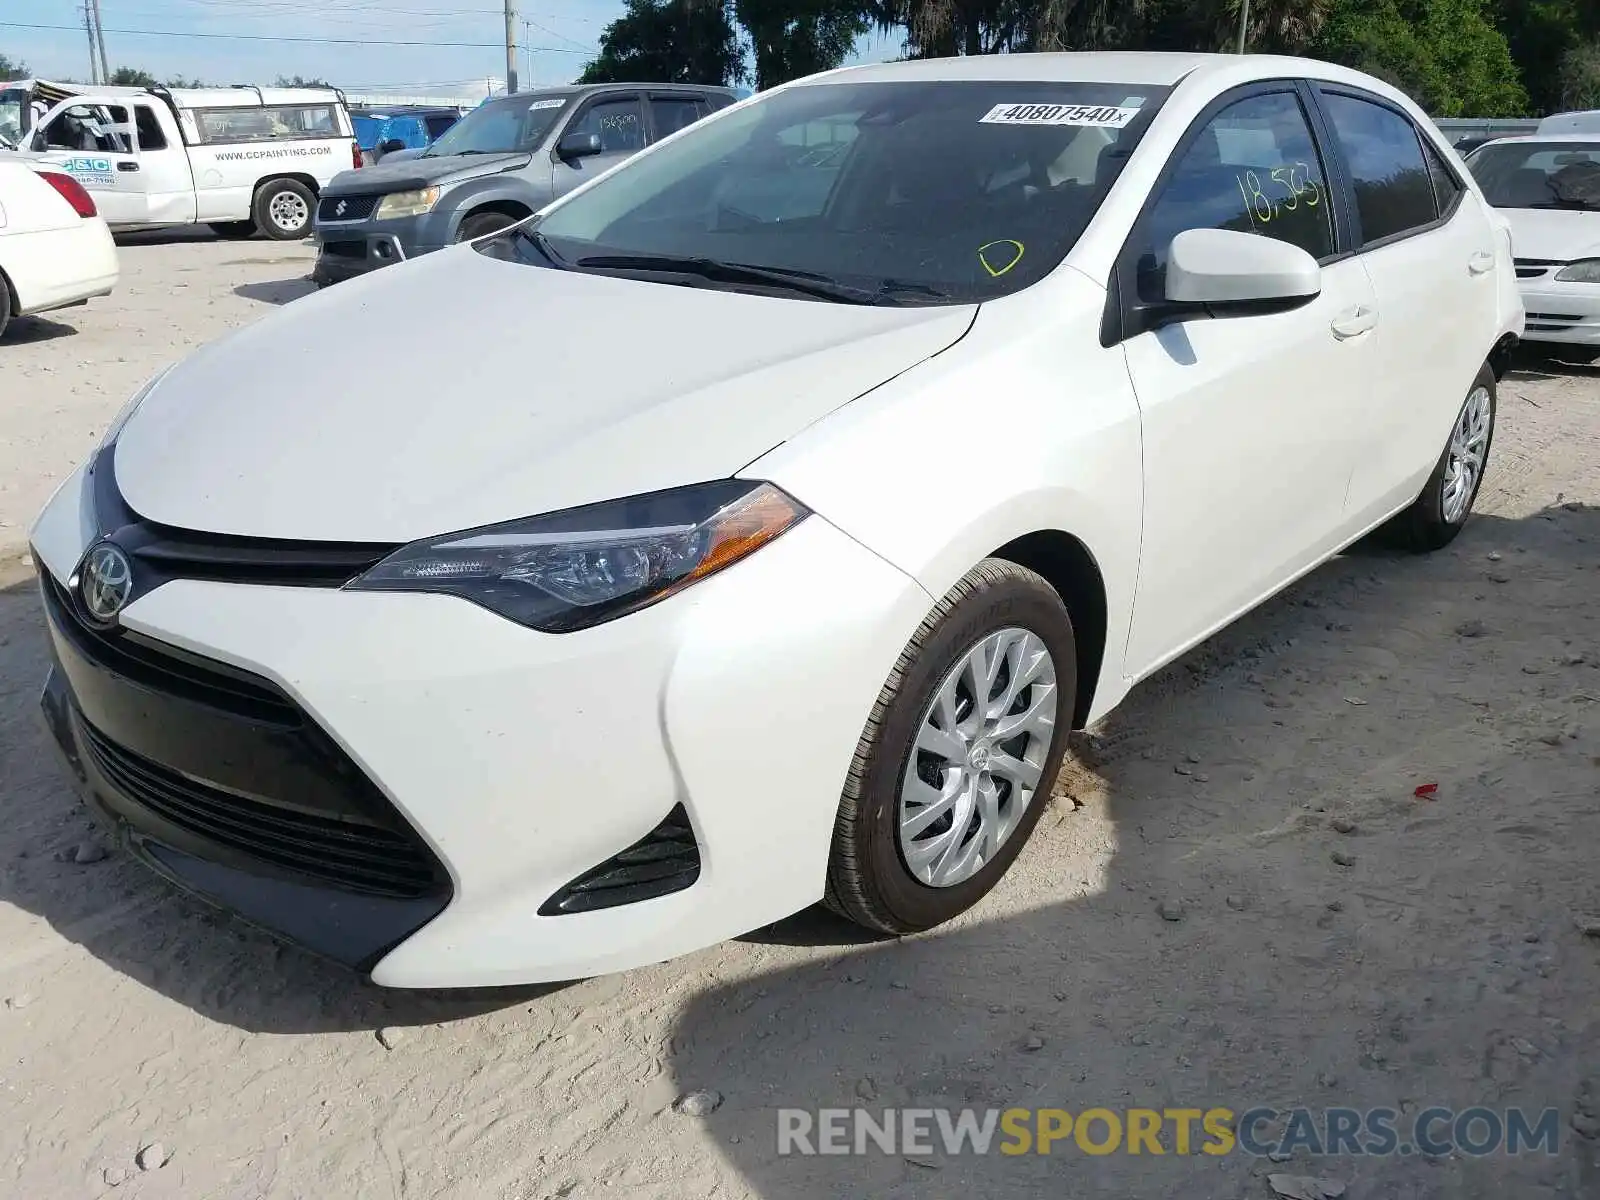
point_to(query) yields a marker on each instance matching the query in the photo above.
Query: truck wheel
(283, 209)
(233, 229)
(483, 224)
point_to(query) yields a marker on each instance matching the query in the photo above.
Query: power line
(324, 41)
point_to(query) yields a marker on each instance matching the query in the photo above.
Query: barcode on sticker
(538, 104)
(1105, 116)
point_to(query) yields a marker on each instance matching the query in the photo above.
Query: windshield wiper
(542, 244)
(805, 282)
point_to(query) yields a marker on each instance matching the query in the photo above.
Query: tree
(790, 39)
(1445, 54)
(286, 81)
(1580, 77)
(178, 81)
(12, 68)
(669, 41)
(132, 77)
(1276, 26)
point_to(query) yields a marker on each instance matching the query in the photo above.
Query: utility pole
(100, 37)
(511, 46)
(88, 29)
(1244, 21)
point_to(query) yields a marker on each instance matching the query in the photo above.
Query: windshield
(1539, 174)
(516, 124)
(11, 109)
(916, 192)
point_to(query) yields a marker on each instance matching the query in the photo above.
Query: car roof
(1549, 139)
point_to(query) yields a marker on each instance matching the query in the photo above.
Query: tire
(482, 224)
(283, 209)
(5, 303)
(870, 880)
(1431, 523)
(233, 229)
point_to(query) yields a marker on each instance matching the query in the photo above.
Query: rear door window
(672, 113)
(1394, 188)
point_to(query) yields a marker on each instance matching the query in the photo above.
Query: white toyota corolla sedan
(749, 528)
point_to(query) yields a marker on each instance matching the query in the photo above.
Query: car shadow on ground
(1225, 1006)
(276, 291)
(23, 331)
(1551, 361)
(1240, 900)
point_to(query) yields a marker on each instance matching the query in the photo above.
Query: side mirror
(1232, 273)
(579, 145)
(390, 146)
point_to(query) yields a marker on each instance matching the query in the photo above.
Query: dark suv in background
(502, 162)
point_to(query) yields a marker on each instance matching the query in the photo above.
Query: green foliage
(12, 68)
(132, 77)
(790, 39)
(669, 41)
(1445, 54)
(1580, 77)
(290, 81)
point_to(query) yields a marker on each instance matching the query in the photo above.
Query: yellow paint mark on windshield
(1007, 254)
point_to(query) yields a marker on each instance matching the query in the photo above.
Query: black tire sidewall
(5, 305)
(262, 208)
(913, 904)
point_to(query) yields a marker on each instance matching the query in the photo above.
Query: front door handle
(127, 166)
(1480, 262)
(1353, 322)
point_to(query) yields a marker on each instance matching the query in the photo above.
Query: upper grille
(348, 855)
(356, 208)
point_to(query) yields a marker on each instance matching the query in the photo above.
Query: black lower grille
(348, 855)
(346, 208)
(664, 861)
(1563, 318)
(355, 250)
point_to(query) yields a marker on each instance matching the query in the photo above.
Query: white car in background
(1548, 187)
(898, 420)
(55, 251)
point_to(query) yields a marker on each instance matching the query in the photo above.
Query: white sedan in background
(763, 514)
(55, 250)
(1548, 187)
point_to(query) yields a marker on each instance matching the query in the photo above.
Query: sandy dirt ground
(1237, 900)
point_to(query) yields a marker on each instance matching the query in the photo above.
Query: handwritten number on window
(1296, 182)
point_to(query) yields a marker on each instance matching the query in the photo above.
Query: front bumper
(1568, 313)
(346, 249)
(522, 760)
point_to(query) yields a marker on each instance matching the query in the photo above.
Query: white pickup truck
(239, 159)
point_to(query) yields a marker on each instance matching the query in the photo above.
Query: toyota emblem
(338, 209)
(107, 581)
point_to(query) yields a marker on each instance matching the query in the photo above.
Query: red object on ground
(1427, 790)
(355, 154)
(71, 191)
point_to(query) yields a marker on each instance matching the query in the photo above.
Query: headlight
(1585, 270)
(577, 568)
(132, 406)
(407, 204)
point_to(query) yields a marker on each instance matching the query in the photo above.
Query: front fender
(530, 187)
(1050, 440)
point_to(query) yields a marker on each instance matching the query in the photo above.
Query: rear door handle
(1353, 322)
(127, 166)
(1480, 262)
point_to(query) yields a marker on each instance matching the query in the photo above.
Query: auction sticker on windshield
(1105, 116)
(538, 104)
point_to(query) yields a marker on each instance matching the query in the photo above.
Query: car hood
(410, 173)
(1554, 234)
(503, 391)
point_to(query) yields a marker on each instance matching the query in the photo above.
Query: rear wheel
(1440, 512)
(233, 229)
(483, 224)
(283, 209)
(958, 756)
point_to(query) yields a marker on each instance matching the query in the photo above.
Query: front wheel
(283, 209)
(483, 224)
(958, 756)
(1438, 514)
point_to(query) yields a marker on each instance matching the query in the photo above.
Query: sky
(455, 43)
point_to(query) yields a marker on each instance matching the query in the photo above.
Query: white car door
(1248, 438)
(164, 165)
(1433, 254)
(91, 138)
